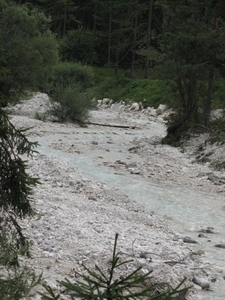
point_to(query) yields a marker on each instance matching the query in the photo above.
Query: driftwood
(112, 125)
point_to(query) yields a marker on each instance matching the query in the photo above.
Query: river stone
(220, 246)
(202, 282)
(201, 235)
(134, 171)
(207, 230)
(188, 239)
(214, 178)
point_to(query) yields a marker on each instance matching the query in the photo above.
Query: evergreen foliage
(79, 46)
(194, 46)
(15, 183)
(16, 282)
(28, 48)
(99, 285)
(181, 44)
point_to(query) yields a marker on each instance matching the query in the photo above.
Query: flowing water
(185, 210)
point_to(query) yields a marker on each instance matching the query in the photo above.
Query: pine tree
(193, 44)
(15, 183)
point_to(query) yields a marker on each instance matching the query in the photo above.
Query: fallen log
(112, 125)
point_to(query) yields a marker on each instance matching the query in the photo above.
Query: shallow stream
(187, 211)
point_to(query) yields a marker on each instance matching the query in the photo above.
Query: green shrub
(69, 91)
(18, 284)
(71, 104)
(28, 48)
(120, 87)
(72, 73)
(154, 92)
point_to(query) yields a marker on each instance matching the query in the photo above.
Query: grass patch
(121, 87)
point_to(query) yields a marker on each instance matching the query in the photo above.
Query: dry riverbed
(77, 216)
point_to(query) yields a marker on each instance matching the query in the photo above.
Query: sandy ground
(77, 216)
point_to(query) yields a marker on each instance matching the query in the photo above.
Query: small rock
(207, 230)
(134, 171)
(220, 246)
(213, 177)
(93, 198)
(200, 252)
(187, 239)
(120, 162)
(201, 235)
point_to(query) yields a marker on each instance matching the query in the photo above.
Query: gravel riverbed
(77, 217)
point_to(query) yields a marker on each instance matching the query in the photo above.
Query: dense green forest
(158, 50)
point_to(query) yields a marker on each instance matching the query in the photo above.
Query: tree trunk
(64, 21)
(117, 58)
(109, 38)
(207, 108)
(146, 74)
(94, 16)
(134, 42)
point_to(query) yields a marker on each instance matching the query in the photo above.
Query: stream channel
(185, 210)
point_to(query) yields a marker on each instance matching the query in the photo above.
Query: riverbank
(77, 216)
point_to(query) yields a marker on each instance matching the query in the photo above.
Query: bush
(154, 92)
(69, 91)
(72, 73)
(71, 104)
(29, 50)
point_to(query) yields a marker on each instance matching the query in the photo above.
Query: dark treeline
(117, 30)
(180, 42)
